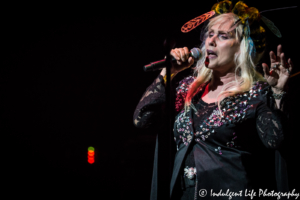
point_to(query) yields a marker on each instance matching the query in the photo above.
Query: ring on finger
(288, 71)
(275, 66)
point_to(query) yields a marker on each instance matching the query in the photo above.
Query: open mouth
(211, 54)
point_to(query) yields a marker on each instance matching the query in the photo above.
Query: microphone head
(196, 53)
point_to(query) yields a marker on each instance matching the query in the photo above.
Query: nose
(212, 41)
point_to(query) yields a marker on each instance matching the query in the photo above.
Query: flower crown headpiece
(249, 17)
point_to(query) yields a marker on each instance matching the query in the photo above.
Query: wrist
(278, 94)
(277, 91)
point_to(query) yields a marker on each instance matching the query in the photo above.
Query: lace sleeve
(270, 122)
(149, 107)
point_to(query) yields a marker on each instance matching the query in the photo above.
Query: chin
(212, 66)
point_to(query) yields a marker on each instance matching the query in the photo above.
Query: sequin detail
(182, 124)
(190, 172)
(233, 110)
(231, 143)
(219, 150)
(182, 90)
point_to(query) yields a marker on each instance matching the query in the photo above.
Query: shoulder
(259, 91)
(181, 92)
(240, 105)
(260, 87)
(185, 83)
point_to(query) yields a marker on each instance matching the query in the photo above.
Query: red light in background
(91, 160)
(91, 155)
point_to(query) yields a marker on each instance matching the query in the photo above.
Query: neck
(216, 85)
(218, 80)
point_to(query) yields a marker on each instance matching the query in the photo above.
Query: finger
(179, 62)
(272, 57)
(175, 54)
(191, 60)
(291, 65)
(182, 54)
(279, 52)
(266, 70)
(283, 61)
(186, 52)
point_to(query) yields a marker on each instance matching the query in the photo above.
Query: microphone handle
(157, 65)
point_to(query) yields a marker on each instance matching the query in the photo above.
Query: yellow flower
(222, 7)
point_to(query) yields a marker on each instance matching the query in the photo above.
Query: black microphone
(196, 53)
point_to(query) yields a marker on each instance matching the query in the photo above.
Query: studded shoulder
(181, 92)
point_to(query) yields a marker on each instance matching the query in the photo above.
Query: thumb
(266, 69)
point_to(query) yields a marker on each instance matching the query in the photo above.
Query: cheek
(230, 49)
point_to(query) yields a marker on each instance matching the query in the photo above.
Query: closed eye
(221, 35)
(211, 34)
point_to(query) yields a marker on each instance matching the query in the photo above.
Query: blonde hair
(245, 73)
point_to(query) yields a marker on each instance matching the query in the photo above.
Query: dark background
(71, 77)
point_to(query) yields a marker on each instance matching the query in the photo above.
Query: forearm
(270, 125)
(278, 101)
(149, 107)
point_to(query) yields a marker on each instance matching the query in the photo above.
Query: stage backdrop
(71, 77)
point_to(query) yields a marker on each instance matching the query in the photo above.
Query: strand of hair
(279, 9)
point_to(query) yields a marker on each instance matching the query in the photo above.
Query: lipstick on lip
(211, 54)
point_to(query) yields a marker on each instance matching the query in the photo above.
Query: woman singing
(229, 118)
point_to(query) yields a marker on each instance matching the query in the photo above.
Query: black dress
(220, 157)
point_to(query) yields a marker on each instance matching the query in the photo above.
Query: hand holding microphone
(182, 59)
